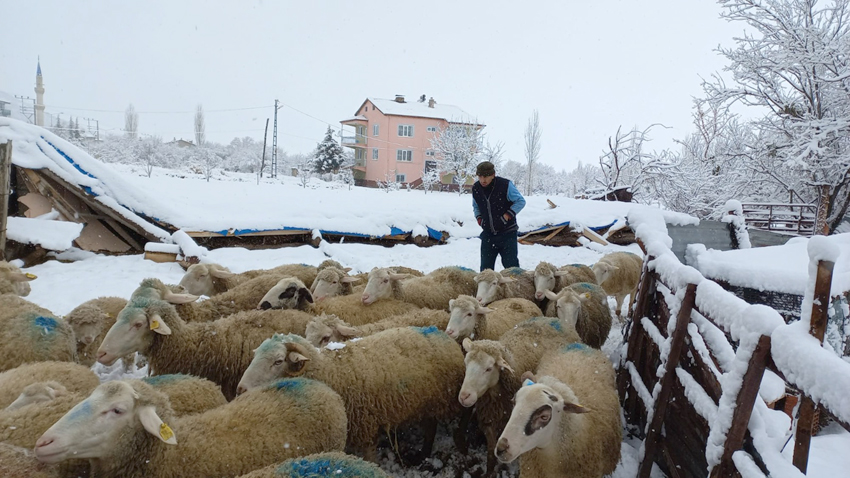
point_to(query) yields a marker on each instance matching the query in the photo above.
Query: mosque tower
(39, 96)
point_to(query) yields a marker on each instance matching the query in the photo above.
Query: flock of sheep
(268, 377)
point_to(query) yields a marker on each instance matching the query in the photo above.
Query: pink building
(392, 138)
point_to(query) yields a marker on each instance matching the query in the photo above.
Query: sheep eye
(489, 369)
(386, 280)
(469, 314)
(278, 362)
(137, 325)
(335, 282)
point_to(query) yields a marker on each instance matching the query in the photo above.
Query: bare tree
(200, 136)
(493, 153)
(533, 136)
(626, 163)
(131, 122)
(458, 146)
(150, 154)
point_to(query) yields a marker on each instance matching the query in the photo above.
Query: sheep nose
(450, 332)
(479, 299)
(44, 441)
(101, 354)
(538, 295)
(466, 399)
(88, 340)
(365, 298)
(502, 447)
(265, 305)
(241, 389)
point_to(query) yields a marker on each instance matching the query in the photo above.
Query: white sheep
(188, 394)
(566, 420)
(127, 429)
(351, 309)
(13, 280)
(325, 328)
(90, 321)
(548, 277)
(618, 273)
(433, 290)
(219, 351)
(585, 307)
(332, 282)
(74, 377)
(330, 464)
(505, 284)
(287, 293)
(213, 279)
(386, 379)
(32, 334)
(493, 370)
(471, 319)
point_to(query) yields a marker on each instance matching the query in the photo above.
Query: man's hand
(506, 217)
(479, 220)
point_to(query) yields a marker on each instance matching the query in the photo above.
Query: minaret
(39, 96)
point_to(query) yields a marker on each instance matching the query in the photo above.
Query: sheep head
(544, 279)
(87, 322)
(603, 271)
(18, 279)
(383, 283)
(535, 419)
(568, 304)
(98, 426)
(465, 311)
(280, 356)
(484, 361)
(288, 293)
(134, 329)
(199, 279)
(331, 282)
(328, 328)
(38, 392)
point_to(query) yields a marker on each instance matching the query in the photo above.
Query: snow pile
(49, 234)
(734, 215)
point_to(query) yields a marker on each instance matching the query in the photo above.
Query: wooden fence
(789, 218)
(681, 380)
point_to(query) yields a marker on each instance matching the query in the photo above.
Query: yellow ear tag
(154, 326)
(31, 276)
(165, 432)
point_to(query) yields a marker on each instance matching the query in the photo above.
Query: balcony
(356, 141)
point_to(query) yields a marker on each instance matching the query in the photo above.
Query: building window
(405, 155)
(374, 153)
(359, 154)
(405, 130)
(429, 153)
(400, 178)
(430, 166)
(432, 129)
(375, 130)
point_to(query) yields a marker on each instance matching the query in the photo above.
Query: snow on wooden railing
(722, 383)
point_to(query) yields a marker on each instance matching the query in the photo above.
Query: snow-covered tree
(390, 182)
(131, 122)
(207, 159)
(328, 156)
(796, 69)
(626, 161)
(458, 147)
(533, 137)
(430, 178)
(516, 172)
(150, 154)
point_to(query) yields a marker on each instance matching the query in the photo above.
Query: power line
(159, 112)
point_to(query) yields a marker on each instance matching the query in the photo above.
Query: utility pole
(5, 190)
(27, 111)
(263, 160)
(274, 142)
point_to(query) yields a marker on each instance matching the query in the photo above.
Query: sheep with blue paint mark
(505, 284)
(33, 334)
(219, 350)
(566, 417)
(325, 328)
(14, 281)
(330, 465)
(213, 279)
(494, 368)
(386, 379)
(432, 291)
(585, 307)
(471, 319)
(188, 394)
(127, 429)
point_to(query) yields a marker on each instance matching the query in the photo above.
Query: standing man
(496, 202)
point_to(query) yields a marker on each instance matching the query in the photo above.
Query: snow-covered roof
(49, 234)
(450, 113)
(354, 118)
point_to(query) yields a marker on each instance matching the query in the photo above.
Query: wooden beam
(817, 327)
(593, 236)
(5, 190)
(66, 210)
(124, 234)
(677, 342)
(744, 403)
(554, 233)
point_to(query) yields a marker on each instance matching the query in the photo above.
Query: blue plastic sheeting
(434, 234)
(592, 228)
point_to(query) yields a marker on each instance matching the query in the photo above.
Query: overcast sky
(587, 67)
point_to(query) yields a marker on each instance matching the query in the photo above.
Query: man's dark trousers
(504, 244)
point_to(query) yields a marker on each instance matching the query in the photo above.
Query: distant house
(392, 138)
(4, 110)
(182, 143)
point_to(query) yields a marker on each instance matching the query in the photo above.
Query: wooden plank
(677, 342)
(124, 234)
(160, 256)
(817, 327)
(634, 337)
(55, 197)
(554, 233)
(5, 190)
(588, 233)
(744, 403)
(276, 232)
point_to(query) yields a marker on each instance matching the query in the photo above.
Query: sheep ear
(154, 425)
(575, 408)
(347, 269)
(304, 294)
(467, 344)
(295, 357)
(550, 295)
(561, 273)
(346, 330)
(451, 303)
(349, 280)
(506, 280)
(584, 297)
(397, 276)
(221, 273)
(527, 375)
(173, 298)
(504, 365)
(158, 325)
(483, 310)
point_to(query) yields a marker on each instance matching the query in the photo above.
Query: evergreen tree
(328, 156)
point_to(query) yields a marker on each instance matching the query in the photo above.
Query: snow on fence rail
(695, 360)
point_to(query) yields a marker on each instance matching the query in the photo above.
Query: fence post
(677, 342)
(817, 327)
(5, 190)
